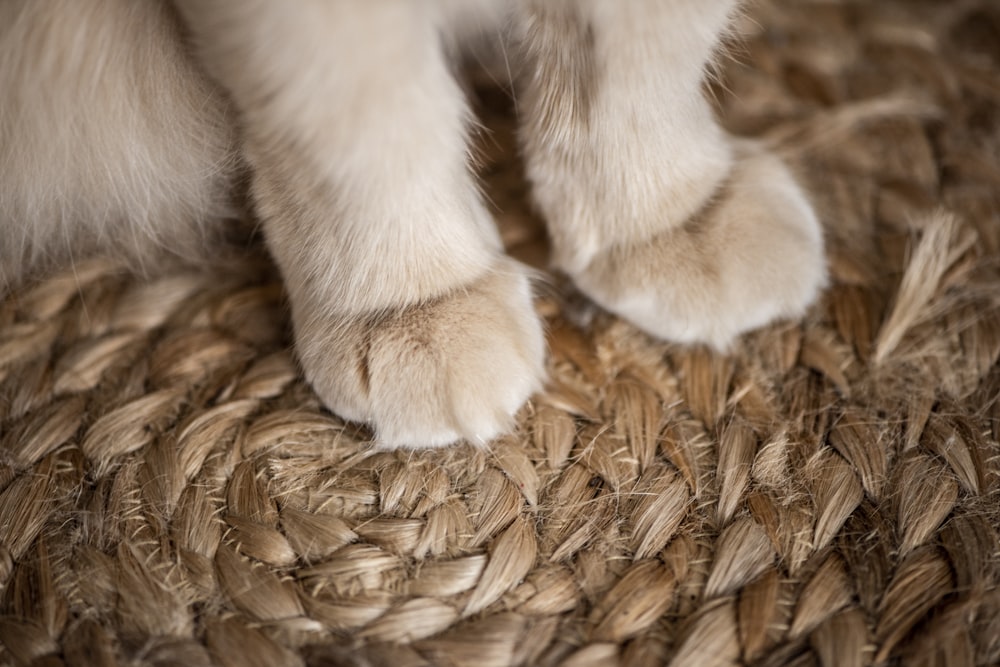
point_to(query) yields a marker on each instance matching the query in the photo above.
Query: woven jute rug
(172, 493)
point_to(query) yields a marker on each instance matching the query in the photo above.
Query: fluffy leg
(655, 212)
(112, 139)
(406, 314)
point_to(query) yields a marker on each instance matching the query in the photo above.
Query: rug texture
(172, 493)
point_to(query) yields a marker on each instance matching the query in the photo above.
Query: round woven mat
(172, 493)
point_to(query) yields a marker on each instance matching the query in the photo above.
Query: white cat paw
(454, 368)
(754, 255)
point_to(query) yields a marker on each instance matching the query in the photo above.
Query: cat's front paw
(453, 368)
(754, 255)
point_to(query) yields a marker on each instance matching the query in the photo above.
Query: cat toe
(752, 256)
(452, 369)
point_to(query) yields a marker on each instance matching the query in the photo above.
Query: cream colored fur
(128, 125)
(111, 138)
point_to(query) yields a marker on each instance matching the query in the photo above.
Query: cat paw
(754, 255)
(454, 368)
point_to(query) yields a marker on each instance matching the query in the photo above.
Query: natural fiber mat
(172, 493)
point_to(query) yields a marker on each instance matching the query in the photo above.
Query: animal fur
(128, 126)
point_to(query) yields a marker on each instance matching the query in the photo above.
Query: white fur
(124, 127)
(649, 153)
(107, 140)
(358, 146)
(756, 256)
(652, 209)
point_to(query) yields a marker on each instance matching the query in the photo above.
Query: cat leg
(407, 315)
(655, 212)
(112, 140)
